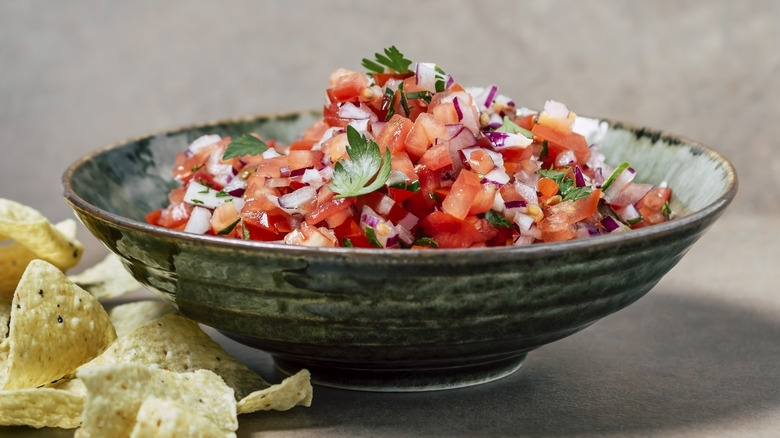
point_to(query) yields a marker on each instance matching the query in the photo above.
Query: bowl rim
(711, 210)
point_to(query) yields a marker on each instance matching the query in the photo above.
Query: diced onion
(199, 221)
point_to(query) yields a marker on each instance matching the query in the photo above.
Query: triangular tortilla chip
(55, 327)
(176, 343)
(294, 391)
(115, 394)
(165, 418)
(27, 236)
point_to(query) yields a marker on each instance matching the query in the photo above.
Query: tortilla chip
(129, 316)
(41, 407)
(107, 279)
(21, 242)
(115, 394)
(176, 343)
(294, 391)
(55, 327)
(165, 418)
(5, 318)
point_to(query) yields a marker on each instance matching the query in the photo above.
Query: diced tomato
(547, 188)
(562, 216)
(346, 86)
(462, 195)
(265, 225)
(651, 206)
(351, 231)
(480, 161)
(399, 195)
(402, 162)
(437, 157)
(394, 133)
(327, 209)
(484, 199)
(382, 78)
(527, 121)
(571, 141)
(224, 218)
(304, 159)
(451, 232)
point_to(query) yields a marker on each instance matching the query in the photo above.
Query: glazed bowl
(393, 320)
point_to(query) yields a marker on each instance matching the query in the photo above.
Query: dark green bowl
(392, 320)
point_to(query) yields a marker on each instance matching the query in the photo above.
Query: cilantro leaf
(566, 187)
(392, 58)
(365, 171)
(498, 219)
(244, 145)
(511, 127)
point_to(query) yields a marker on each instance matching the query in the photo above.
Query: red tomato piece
(571, 141)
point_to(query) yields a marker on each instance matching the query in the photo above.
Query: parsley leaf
(392, 58)
(511, 127)
(566, 187)
(364, 172)
(244, 145)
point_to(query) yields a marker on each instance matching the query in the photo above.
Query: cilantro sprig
(510, 127)
(244, 145)
(392, 59)
(566, 186)
(365, 171)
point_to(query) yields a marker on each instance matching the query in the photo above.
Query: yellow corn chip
(165, 418)
(5, 317)
(115, 394)
(21, 242)
(129, 316)
(176, 343)
(55, 327)
(294, 391)
(41, 407)
(107, 279)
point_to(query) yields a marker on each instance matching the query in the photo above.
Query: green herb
(424, 95)
(197, 201)
(229, 228)
(498, 219)
(247, 235)
(404, 102)
(222, 194)
(347, 243)
(575, 193)
(613, 176)
(566, 186)
(544, 151)
(245, 145)
(365, 171)
(511, 127)
(196, 168)
(634, 221)
(440, 85)
(426, 241)
(387, 103)
(392, 58)
(413, 186)
(205, 191)
(371, 236)
(666, 210)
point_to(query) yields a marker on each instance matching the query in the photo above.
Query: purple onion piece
(491, 95)
(514, 204)
(456, 103)
(609, 223)
(391, 241)
(299, 172)
(370, 220)
(578, 178)
(284, 171)
(237, 192)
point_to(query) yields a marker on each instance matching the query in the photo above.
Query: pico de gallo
(404, 156)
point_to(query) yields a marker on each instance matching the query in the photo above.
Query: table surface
(697, 356)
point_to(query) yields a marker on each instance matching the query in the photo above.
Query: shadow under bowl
(392, 320)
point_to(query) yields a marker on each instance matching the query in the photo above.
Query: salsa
(404, 156)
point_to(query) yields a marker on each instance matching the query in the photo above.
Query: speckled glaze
(392, 320)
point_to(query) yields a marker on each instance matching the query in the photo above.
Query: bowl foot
(403, 380)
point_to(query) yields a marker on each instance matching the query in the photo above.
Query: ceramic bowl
(392, 320)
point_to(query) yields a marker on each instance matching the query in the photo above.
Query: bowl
(392, 320)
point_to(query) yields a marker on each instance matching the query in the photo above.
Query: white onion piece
(593, 130)
(199, 222)
(201, 142)
(497, 176)
(199, 195)
(295, 199)
(426, 75)
(523, 221)
(619, 184)
(556, 110)
(313, 178)
(354, 112)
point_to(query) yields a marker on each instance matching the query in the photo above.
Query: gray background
(697, 356)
